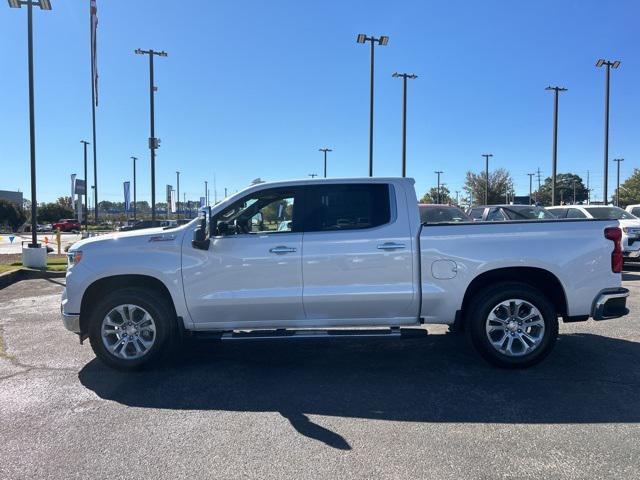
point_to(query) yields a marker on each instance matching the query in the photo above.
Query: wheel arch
(117, 282)
(539, 278)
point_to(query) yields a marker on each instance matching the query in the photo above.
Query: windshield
(443, 215)
(527, 212)
(609, 213)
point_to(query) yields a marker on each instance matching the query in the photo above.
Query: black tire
(160, 309)
(481, 306)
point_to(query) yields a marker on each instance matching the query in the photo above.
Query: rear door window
(496, 215)
(476, 213)
(333, 207)
(575, 213)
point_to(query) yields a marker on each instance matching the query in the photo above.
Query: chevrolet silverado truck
(340, 258)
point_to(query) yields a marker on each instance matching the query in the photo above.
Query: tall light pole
(554, 160)
(618, 160)
(153, 141)
(486, 156)
(134, 186)
(438, 172)
(206, 193)
(86, 185)
(530, 186)
(457, 198)
(44, 5)
(382, 41)
(609, 65)
(177, 194)
(325, 150)
(404, 77)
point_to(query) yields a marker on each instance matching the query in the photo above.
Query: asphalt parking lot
(422, 407)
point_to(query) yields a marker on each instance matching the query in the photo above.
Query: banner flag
(173, 201)
(127, 202)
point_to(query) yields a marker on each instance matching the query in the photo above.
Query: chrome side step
(283, 334)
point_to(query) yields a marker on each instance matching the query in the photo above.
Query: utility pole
(574, 192)
(325, 150)
(206, 193)
(382, 41)
(85, 211)
(457, 198)
(530, 186)
(486, 176)
(618, 160)
(588, 190)
(554, 161)
(438, 172)
(153, 141)
(177, 194)
(609, 65)
(404, 77)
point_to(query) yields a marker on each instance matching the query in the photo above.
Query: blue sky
(253, 89)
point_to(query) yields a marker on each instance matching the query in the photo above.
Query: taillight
(615, 235)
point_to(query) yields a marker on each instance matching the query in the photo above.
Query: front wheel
(512, 325)
(131, 328)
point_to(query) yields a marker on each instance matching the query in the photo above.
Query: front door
(252, 272)
(357, 255)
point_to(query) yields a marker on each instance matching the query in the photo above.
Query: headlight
(74, 257)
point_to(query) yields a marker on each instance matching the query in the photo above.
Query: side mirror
(201, 238)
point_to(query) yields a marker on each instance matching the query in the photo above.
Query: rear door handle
(282, 249)
(390, 246)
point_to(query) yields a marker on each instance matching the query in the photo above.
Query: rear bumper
(610, 303)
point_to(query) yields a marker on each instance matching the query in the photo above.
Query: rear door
(357, 255)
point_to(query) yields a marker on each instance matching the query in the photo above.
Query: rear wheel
(512, 325)
(131, 328)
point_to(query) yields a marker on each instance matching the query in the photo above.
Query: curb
(9, 278)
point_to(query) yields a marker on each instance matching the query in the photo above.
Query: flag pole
(93, 13)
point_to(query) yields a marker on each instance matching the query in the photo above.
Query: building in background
(13, 197)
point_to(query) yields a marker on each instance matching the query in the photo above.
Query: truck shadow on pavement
(587, 379)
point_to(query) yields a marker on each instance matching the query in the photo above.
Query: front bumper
(610, 303)
(71, 322)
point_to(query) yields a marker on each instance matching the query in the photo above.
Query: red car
(67, 225)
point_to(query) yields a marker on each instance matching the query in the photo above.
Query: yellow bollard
(58, 240)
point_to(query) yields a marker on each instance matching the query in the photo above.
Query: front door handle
(282, 249)
(390, 246)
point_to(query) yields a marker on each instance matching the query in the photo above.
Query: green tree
(52, 212)
(630, 189)
(564, 190)
(499, 181)
(432, 195)
(65, 202)
(11, 215)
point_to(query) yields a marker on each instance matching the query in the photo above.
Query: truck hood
(629, 223)
(128, 238)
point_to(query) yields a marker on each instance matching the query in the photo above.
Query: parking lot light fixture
(609, 64)
(554, 159)
(486, 156)
(383, 40)
(404, 77)
(154, 143)
(325, 150)
(44, 5)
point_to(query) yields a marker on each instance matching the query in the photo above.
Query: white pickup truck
(316, 258)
